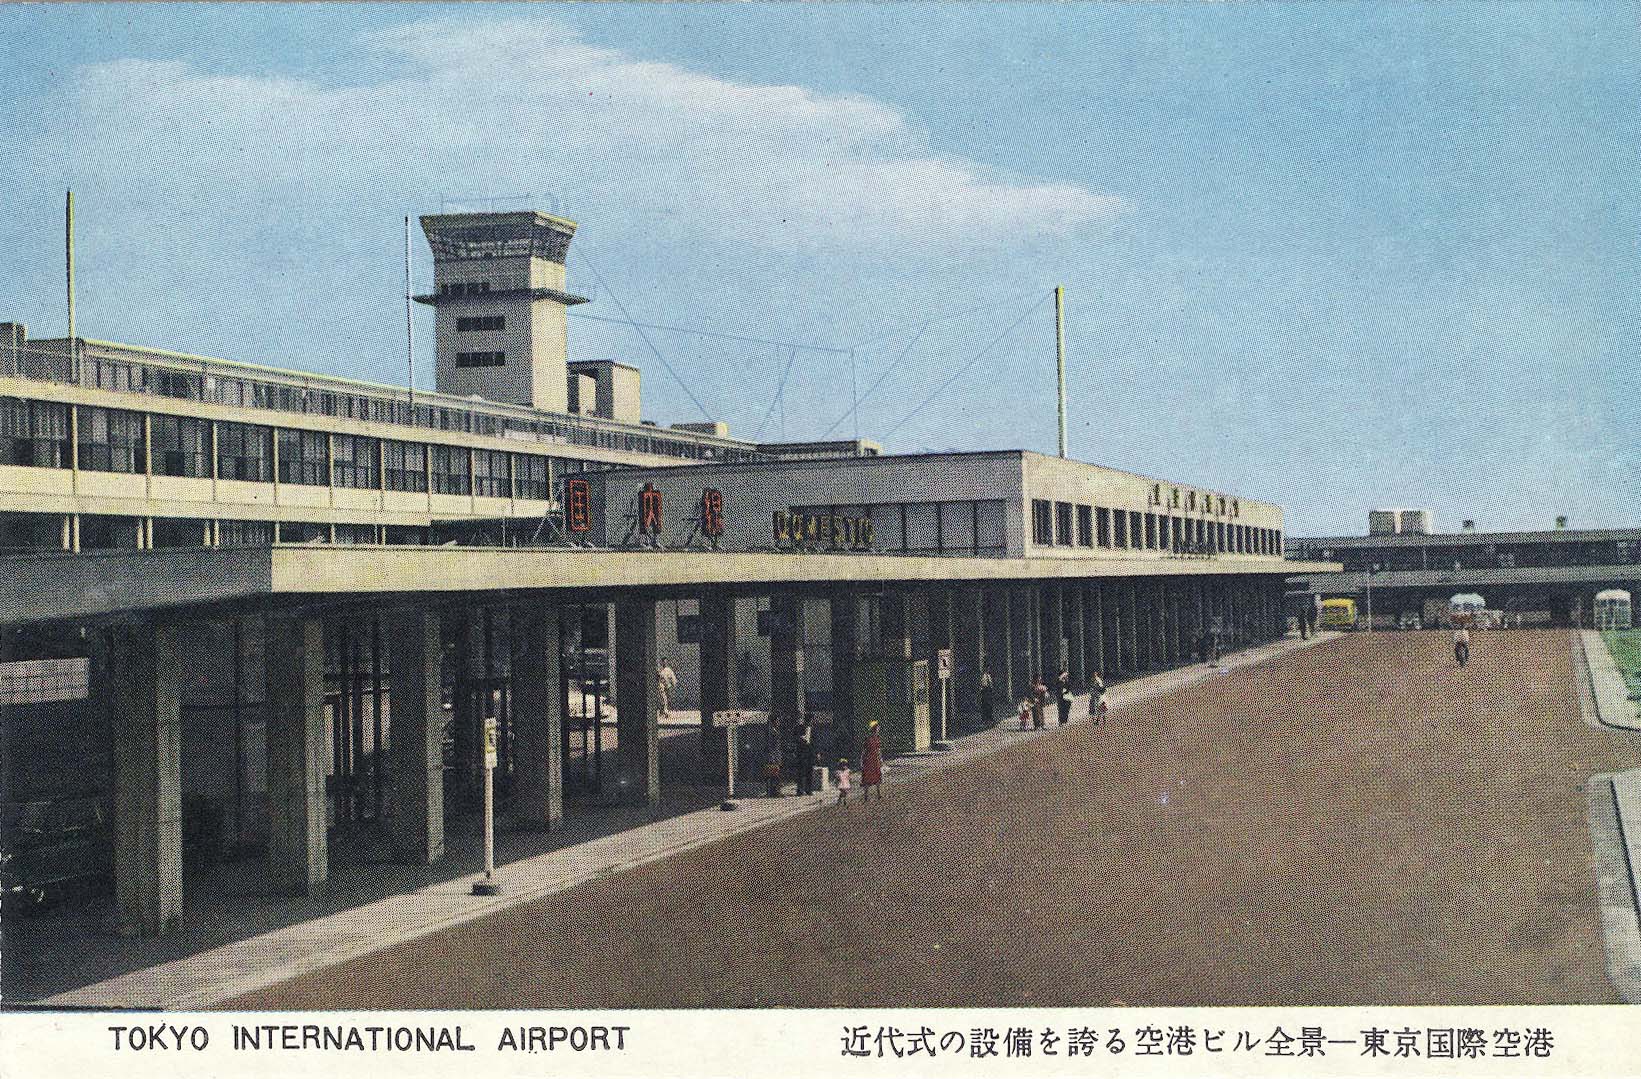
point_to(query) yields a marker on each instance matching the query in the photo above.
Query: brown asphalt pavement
(1358, 823)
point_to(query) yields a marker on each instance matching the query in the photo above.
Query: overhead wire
(854, 409)
(938, 390)
(780, 388)
(582, 252)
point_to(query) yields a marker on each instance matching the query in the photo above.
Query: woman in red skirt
(871, 764)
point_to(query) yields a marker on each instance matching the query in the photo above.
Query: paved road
(1361, 822)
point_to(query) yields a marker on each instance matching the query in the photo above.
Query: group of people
(1034, 708)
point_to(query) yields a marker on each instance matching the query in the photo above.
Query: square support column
(999, 651)
(638, 778)
(141, 687)
(937, 634)
(1134, 639)
(1021, 617)
(416, 735)
(1051, 601)
(537, 722)
(969, 659)
(787, 704)
(1077, 652)
(1110, 609)
(719, 693)
(845, 644)
(1093, 629)
(298, 861)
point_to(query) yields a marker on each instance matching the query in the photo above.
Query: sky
(1335, 256)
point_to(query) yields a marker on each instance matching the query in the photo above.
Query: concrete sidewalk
(1612, 697)
(216, 974)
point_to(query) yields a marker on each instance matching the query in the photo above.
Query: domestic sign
(943, 663)
(736, 717)
(802, 529)
(491, 727)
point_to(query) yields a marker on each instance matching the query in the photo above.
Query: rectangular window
(490, 476)
(1062, 523)
(405, 466)
(111, 440)
(33, 433)
(304, 458)
(303, 532)
(1102, 526)
(1136, 530)
(244, 533)
(481, 359)
(957, 526)
(1042, 522)
(474, 323)
(353, 462)
(532, 477)
(990, 532)
(181, 446)
(1085, 526)
(888, 527)
(363, 535)
(452, 474)
(1151, 531)
(922, 526)
(1119, 536)
(178, 531)
(244, 452)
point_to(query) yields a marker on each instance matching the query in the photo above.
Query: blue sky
(1336, 256)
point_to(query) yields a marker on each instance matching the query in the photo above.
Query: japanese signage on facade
(578, 502)
(794, 528)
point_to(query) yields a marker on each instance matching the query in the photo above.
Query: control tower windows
(481, 359)
(475, 323)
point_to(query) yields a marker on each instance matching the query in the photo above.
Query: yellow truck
(1339, 614)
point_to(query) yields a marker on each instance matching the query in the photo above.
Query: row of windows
(1068, 524)
(464, 288)
(471, 323)
(481, 359)
(132, 376)
(930, 527)
(37, 434)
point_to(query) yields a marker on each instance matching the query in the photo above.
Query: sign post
(489, 885)
(731, 720)
(943, 669)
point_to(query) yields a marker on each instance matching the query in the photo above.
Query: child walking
(1025, 713)
(843, 781)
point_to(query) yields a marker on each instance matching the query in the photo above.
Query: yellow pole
(1060, 357)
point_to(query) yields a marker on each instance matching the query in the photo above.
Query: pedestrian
(986, 714)
(806, 758)
(665, 682)
(772, 758)
(1064, 702)
(1461, 644)
(1039, 702)
(871, 764)
(1025, 713)
(843, 780)
(1096, 699)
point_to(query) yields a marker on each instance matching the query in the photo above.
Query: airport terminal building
(255, 613)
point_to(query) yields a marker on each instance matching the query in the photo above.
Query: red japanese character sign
(712, 512)
(578, 501)
(649, 510)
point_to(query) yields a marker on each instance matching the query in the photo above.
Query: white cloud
(526, 106)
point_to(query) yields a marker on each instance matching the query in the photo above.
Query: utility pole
(73, 341)
(410, 333)
(1060, 357)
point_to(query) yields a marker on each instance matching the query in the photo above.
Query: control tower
(499, 302)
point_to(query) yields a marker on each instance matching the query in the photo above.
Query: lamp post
(1372, 569)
